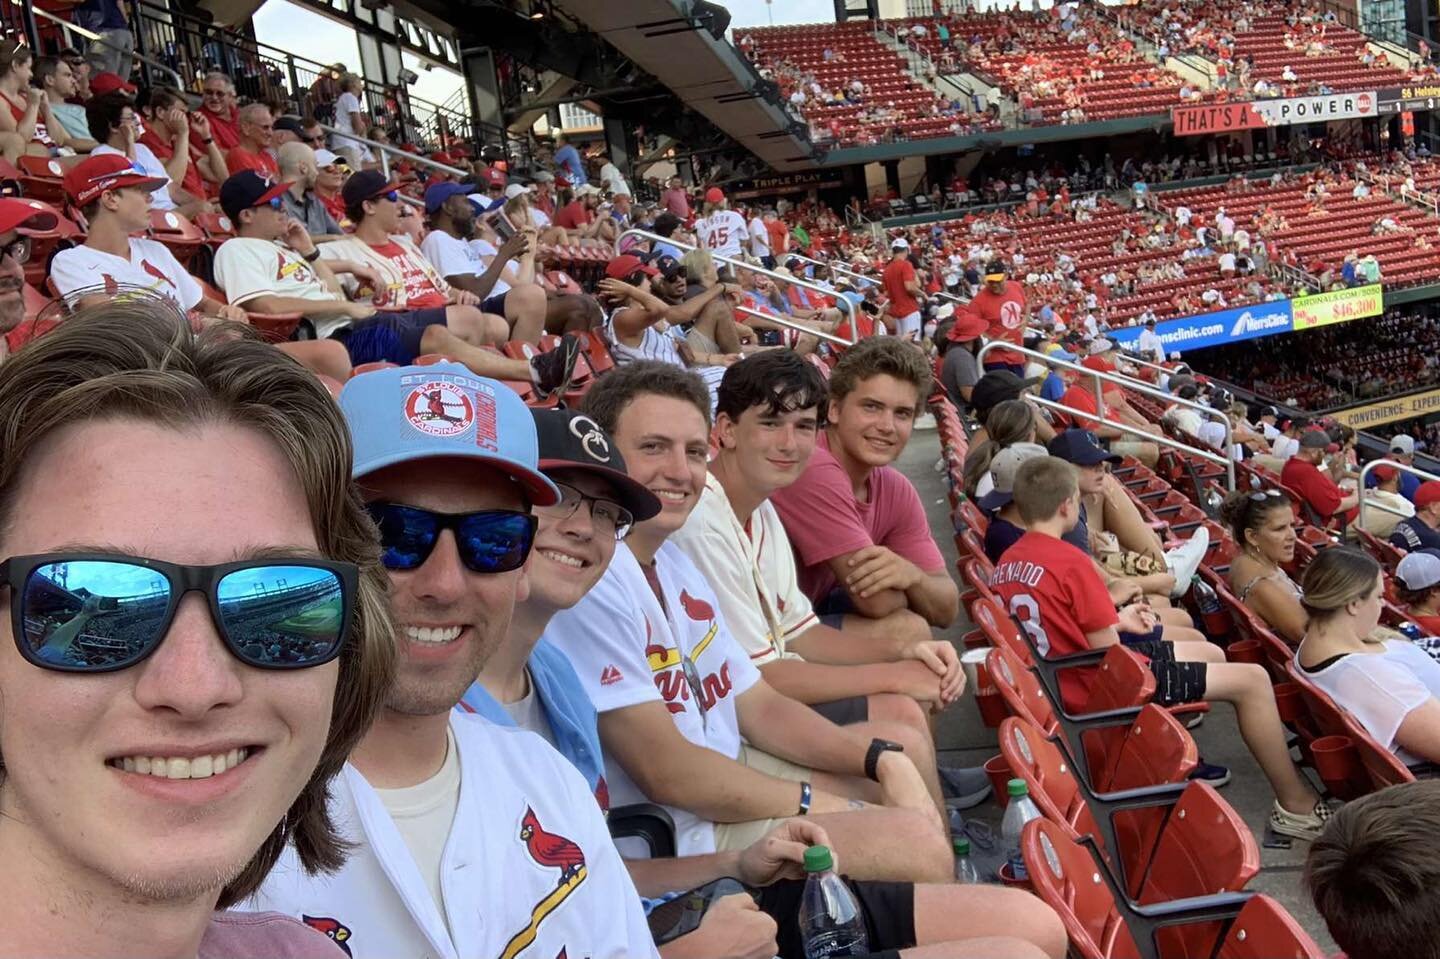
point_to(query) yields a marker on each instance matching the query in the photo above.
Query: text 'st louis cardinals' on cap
(443, 411)
(573, 441)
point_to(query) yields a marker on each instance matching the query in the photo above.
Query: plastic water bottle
(831, 923)
(964, 867)
(1206, 599)
(1020, 810)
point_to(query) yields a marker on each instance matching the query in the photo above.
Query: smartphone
(681, 916)
(502, 226)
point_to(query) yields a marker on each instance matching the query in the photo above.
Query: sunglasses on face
(608, 515)
(489, 541)
(84, 613)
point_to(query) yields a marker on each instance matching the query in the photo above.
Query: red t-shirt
(335, 203)
(824, 520)
(897, 273)
(1004, 316)
(224, 129)
(262, 163)
(420, 293)
(1081, 398)
(779, 236)
(1055, 592)
(1315, 487)
(573, 216)
(193, 183)
(1431, 624)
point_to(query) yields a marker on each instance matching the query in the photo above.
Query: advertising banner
(1335, 106)
(1215, 329)
(1405, 99)
(1214, 118)
(1337, 306)
(1400, 408)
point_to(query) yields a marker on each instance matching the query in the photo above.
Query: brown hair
(138, 360)
(1374, 873)
(1009, 422)
(614, 391)
(881, 356)
(1041, 485)
(1337, 577)
(1245, 510)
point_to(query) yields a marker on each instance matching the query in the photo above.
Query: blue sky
(755, 13)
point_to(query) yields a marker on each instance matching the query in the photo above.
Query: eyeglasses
(82, 613)
(318, 138)
(17, 250)
(489, 541)
(215, 94)
(605, 513)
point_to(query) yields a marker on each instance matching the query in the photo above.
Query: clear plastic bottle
(831, 923)
(1020, 810)
(964, 865)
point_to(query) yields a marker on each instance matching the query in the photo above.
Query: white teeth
(671, 495)
(180, 767)
(438, 634)
(561, 558)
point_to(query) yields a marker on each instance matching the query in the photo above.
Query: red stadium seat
(1264, 930)
(42, 178)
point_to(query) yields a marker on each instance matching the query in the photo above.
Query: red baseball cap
(85, 181)
(1429, 492)
(496, 177)
(1384, 473)
(107, 82)
(967, 327)
(622, 266)
(714, 195)
(16, 214)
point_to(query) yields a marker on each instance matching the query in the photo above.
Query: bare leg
(894, 845)
(718, 323)
(439, 339)
(572, 313)
(475, 327)
(1247, 687)
(11, 146)
(960, 915)
(525, 309)
(326, 357)
(1183, 634)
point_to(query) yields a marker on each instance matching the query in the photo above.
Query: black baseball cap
(291, 123)
(996, 387)
(1080, 447)
(366, 185)
(668, 266)
(573, 441)
(246, 190)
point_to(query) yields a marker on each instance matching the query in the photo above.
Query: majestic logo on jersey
(338, 932)
(439, 409)
(611, 675)
(549, 850)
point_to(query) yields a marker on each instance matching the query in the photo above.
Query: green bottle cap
(818, 859)
(1017, 787)
(962, 845)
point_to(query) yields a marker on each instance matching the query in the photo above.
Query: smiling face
(768, 450)
(571, 553)
(210, 494)
(451, 620)
(872, 423)
(664, 442)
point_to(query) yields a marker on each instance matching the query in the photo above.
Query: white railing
(1365, 501)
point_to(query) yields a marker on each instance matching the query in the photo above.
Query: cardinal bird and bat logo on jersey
(678, 685)
(338, 932)
(551, 851)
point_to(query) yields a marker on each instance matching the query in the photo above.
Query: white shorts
(908, 327)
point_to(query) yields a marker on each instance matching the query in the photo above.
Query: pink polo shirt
(265, 935)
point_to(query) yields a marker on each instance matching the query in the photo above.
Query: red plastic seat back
(1022, 692)
(597, 354)
(1123, 680)
(990, 616)
(1264, 930)
(1048, 775)
(1066, 878)
(1156, 750)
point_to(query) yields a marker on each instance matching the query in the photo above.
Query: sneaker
(925, 421)
(1184, 560)
(551, 372)
(964, 788)
(1194, 720)
(1305, 826)
(1212, 774)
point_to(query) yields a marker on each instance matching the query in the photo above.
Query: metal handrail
(386, 148)
(833, 268)
(1365, 474)
(741, 264)
(1127, 383)
(94, 37)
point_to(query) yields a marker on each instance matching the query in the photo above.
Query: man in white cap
(1384, 506)
(1402, 450)
(902, 287)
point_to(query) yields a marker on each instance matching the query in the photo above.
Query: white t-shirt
(151, 267)
(1151, 346)
(1285, 447)
(614, 182)
(738, 561)
(423, 814)
(528, 858)
(1227, 261)
(247, 267)
(627, 649)
(1381, 689)
(345, 105)
(722, 232)
(488, 251)
(759, 238)
(452, 256)
(146, 160)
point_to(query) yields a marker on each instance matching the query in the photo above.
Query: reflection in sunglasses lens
(93, 614)
(282, 615)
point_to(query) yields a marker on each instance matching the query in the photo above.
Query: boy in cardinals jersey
(1055, 593)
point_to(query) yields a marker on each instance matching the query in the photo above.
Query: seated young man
(1053, 590)
(1080, 395)
(686, 721)
(272, 266)
(1318, 488)
(465, 838)
(766, 426)
(527, 682)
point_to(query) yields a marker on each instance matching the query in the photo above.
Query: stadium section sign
(1215, 118)
(1400, 408)
(1215, 329)
(1337, 306)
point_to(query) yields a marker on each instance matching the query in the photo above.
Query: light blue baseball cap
(443, 411)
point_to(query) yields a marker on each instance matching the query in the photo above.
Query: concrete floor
(965, 741)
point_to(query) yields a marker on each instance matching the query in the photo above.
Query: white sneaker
(1184, 560)
(925, 421)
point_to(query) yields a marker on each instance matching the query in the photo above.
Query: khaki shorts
(1131, 448)
(734, 836)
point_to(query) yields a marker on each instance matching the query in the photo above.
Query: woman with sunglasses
(193, 636)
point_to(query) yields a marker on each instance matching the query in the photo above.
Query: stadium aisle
(963, 740)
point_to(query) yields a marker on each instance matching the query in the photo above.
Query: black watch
(872, 755)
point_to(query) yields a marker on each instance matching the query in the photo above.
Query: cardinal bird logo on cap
(338, 932)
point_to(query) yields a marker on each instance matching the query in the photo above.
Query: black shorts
(1175, 683)
(845, 712)
(889, 909)
(495, 303)
(389, 337)
(833, 608)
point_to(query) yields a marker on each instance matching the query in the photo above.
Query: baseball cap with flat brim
(573, 441)
(87, 180)
(324, 158)
(443, 412)
(436, 195)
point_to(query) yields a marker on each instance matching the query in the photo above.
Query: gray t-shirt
(960, 370)
(311, 212)
(529, 713)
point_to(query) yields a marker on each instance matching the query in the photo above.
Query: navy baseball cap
(246, 190)
(1081, 447)
(573, 441)
(366, 185)
(436, 195)
(443, 411)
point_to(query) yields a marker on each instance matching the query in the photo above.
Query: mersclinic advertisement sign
(1261, 319)
(1284, 111)
(1400, 408)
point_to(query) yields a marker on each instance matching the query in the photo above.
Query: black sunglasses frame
(16, 571)
(452, 522)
